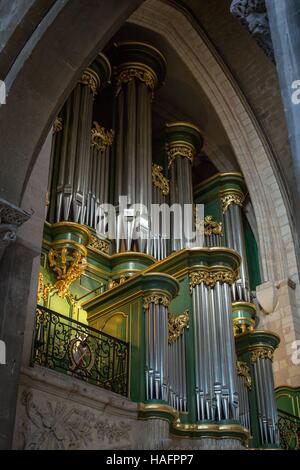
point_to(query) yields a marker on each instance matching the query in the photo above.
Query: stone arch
(251, 149)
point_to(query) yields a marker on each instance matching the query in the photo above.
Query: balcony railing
(67, 346)
(289, 431)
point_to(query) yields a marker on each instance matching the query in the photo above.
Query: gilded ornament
(210, 278)
(144, 75)
(156, 299)
(57, 125)
(262, 353)
(117, 282)
(182, 149)
(211, 227)
(101, 138)
(91, 79)
(159, 180)
(66, 272)
(177, 325)
(98, 244)
(244, 371)
(232, 197)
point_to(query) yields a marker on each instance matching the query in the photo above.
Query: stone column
(15, 265)
(71, 167)
(140, 69)
(183, 142)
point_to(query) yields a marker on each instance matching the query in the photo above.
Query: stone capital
(11, 217)
(253, 15)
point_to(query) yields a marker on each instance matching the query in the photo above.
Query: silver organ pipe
(216, 380)
(177, 362)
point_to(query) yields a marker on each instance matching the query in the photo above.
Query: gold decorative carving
(117, 282)
(232, 197)
(243, 370)
(101, 137)
(177, 325)
(91, 79)
(156, 299)
(211, 227)
(146, 76)
(180, 149)
(57, 125)
(98, 244)
(40, 294)
(66, 272)
(241, 328)
(210, 278)
(159, 180)
(262, 353)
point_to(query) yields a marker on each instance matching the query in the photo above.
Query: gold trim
(159, 180)
(180, 148)
(265, 352)
(144, 407)
(101, 246)
(91, 79)
(210, 276)
(140, 43)
(219, 175)
(79, 227)
(243, 370)
(211, 227)
(231, 196)
(66, 272)
(57, 125)
(127, 71)
(78, 245)
(101, 138)
(177, 325)
(186, 124)
(243, 304)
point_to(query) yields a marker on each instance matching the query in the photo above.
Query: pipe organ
(186, 307)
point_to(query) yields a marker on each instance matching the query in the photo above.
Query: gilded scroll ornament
(156, 299)
(159, 180)
(234, 197)
(262, 353)
(117, 282)
(66, 272)
(146, 76)
(177, 325)
(210, 278)
(57, 125)
(211, 227)
(101, 138)
(98, 244)
(91, 79)
(243, 370)
(183, 150)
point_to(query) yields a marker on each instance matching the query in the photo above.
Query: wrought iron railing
(73, 348)
(289, 431)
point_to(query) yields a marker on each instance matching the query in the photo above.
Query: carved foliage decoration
(159, 180)
(262, 353)
(210, 278)
(98, 244)
(56, 426)
(101, 137)
(243, 370)
(177, 325)
(66, 271)
(156, 299)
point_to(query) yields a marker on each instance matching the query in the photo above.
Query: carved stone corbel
(11, 217)
(253, 15)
